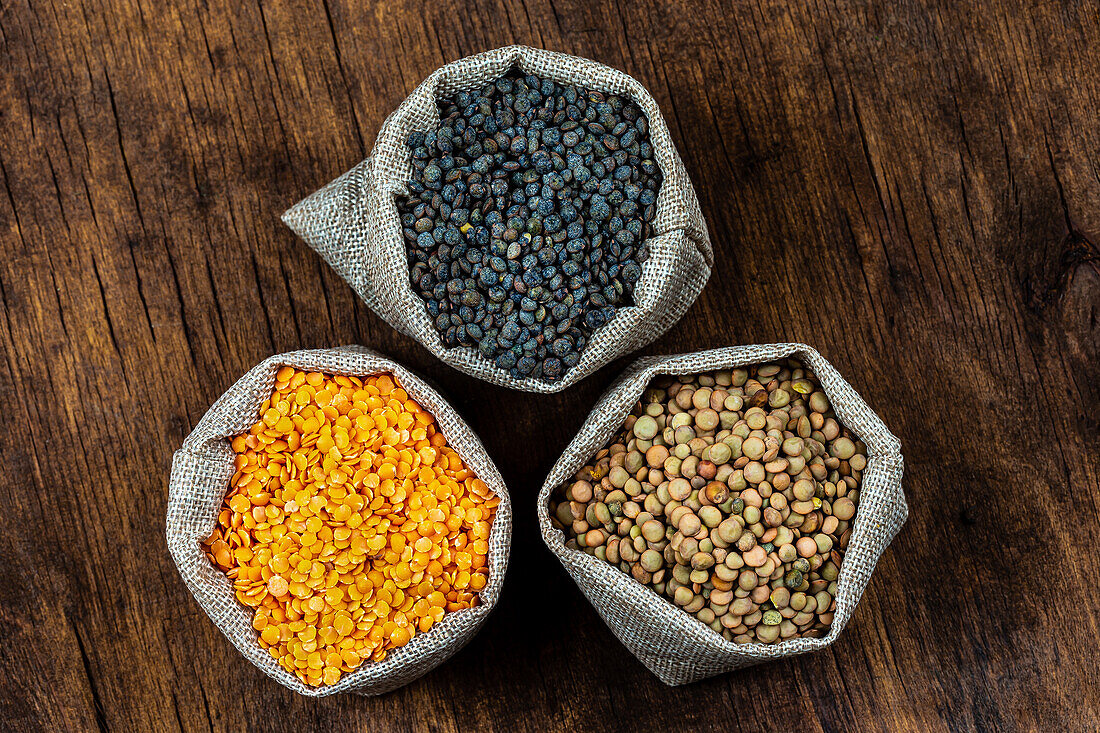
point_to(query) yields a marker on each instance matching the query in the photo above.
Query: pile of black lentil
(527, 212)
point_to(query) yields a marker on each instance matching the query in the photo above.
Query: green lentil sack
(679, 647)
(548, 229)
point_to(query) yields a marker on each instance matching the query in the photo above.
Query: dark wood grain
(913, 188)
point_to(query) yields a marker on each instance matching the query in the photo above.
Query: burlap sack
(201, 471)
(353, 222)
(675, 646)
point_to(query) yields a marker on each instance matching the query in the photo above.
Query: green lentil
(730, 493)
(645, 427)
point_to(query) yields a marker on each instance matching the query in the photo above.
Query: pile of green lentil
(526, 216)
(732, 493)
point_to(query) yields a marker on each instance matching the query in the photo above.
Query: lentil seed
(349, 526)
(525, 219)
(750, 483)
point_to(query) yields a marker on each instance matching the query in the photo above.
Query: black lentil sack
(526, 219)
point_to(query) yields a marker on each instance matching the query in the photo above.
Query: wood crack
(93, 688)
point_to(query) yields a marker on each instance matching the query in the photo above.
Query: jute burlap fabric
(672, 644)
(201, 471)
(353, 222)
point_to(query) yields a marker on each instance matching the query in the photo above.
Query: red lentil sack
(201, 472)
(354, 223)
(676, 646)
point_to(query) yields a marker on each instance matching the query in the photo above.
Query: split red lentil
(349, 526)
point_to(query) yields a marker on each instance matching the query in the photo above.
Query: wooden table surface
(912, 188)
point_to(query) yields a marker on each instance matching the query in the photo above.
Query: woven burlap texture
(674, 645)
(201, 471)
(353, 222)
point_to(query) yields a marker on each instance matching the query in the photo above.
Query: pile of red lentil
(349, 526)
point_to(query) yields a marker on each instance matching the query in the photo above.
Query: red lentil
(350, 526)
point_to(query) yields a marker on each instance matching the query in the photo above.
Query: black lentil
(526, 218)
